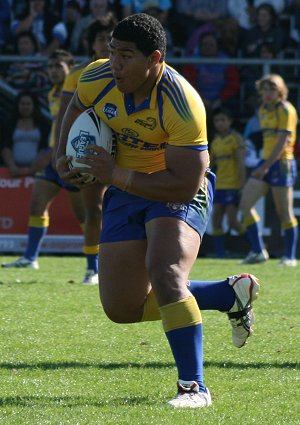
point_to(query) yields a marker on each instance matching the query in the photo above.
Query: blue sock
(187, 349)
(213, 295)
(35, 239)
(255, 238)
(92, 262)
(290, 242)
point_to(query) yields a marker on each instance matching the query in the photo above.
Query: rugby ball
(88, 129)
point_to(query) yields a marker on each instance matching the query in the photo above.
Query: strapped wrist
(122, 178)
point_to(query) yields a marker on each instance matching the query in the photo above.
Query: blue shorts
(125, 215)
(282, 173)
(51, 175)
(227, 196)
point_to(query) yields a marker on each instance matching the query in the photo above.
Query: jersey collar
(150, 102)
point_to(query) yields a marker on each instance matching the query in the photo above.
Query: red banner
(15, 195)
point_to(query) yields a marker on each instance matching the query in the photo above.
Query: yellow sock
(180, 314)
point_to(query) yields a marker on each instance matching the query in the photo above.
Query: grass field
(63, 362)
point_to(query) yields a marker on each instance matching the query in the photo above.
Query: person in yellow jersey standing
(277, 171)
(98, 36)
(159, 199)
(227, 152)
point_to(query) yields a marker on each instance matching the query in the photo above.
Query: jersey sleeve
(185, 116)
(91, 81)
(286, 118)
(71, 80)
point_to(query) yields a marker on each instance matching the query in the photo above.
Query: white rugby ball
(88, 129)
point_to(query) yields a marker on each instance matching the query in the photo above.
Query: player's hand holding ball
(89, 145)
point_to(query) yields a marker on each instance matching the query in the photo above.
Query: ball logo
(81, 142)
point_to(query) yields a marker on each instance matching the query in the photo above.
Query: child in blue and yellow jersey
(227, 153)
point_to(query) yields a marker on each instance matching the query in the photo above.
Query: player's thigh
(43, 193)
(123, 279)
(172, 248)
(77, 205)
(283, 200)
(253, 190)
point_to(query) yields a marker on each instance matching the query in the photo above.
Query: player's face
(269, 94)
(222, 123)
(132, 70)
(100, 45)
(25, 106)
(57, 71)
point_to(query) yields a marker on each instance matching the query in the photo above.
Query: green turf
(63, 362)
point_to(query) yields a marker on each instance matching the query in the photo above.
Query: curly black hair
(145, 31)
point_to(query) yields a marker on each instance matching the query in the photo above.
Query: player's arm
(179, 182)
(276, 153)
(240, 154)
(64, 102)
(240, 160)
(73, 110)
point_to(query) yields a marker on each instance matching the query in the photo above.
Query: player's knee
(120, 315)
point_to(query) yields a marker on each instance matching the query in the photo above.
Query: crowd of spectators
(266, 29)
(242, 26)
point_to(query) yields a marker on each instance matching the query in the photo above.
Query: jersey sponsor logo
(174, 207)
(129, 132)
(135, 143)
(110, 110)
(149, 123)
(81, 142)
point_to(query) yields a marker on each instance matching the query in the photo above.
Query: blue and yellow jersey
(174, 114)
(224, 150)
(71, 80)
(54, 96)
(282, 119)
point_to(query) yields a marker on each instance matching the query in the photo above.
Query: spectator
(28, 75)
(266, 31)
(154, 8)
(98, 9)
(18, 8)
(72, 14)
(5, 12)
(47, 183)
(25, 137)
(187, 15)
(217, 83)
(243, 12)
(50, 32)
(137, 6)
(278, 5)
(250, 74)
(228, 155)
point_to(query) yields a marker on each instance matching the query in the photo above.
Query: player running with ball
(159, 199)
